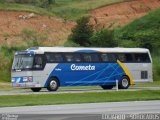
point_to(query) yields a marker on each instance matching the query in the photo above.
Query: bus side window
(122, 57)
(71, 57)
(142, 57)
(112, 57)
(38, 62)
(129, 57)
(54, 57)
(105, 57)
(91, 57)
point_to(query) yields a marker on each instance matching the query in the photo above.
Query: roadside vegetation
(67, 9)
(75, 9)
(24, 7)
(73, 98)
(143, 33)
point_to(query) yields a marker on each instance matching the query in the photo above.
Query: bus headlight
(13, 79)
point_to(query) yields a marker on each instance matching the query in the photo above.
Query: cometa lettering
(88, 67)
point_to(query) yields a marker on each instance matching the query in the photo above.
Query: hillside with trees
(28, 23)
(142, 32)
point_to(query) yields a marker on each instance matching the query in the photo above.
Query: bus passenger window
(54, 57)
(142, 57)
(91, 57)
(112, 57)
(38, 62)
(129, 57)
(73, 57)
(69, 58)
(105, 57)
(121, 57)
(77, 58)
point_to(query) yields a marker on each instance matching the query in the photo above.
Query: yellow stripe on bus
(126, 71)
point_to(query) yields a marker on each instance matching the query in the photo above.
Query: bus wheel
(107, 87)
(53, 84)
(35, 89)
(124, 83)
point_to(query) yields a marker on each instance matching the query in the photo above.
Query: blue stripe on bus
(104, 74)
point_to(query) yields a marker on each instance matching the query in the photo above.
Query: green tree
(82, 32)
(51, 1)
(103, 38)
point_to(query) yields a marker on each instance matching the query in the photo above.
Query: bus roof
(41, 50)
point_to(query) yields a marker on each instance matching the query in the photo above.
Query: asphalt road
(82, 90)
(90, 111)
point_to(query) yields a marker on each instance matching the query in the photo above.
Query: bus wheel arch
(124, 83)
(53, 83)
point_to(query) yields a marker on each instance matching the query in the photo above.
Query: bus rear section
(139, 66)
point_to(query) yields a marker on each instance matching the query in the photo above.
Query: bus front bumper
(24, 82)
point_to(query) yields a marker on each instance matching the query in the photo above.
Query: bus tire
(36, 89)
(124, 83)
(107, 87)
(53, 84)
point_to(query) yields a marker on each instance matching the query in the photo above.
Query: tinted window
(122, 57)
(141, 57)
(39, 62)
(91, 57)
(54, 57)
(105, 57)
(73, 57)
(129, 57)
(126, 57)
(112, 57)
(108, 57)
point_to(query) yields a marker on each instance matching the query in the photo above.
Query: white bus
(52, 67)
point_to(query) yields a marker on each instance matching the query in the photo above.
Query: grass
(143, 32)
(156, 66)
(73, 98)
(68, 9)
(6, 86)
(26, 8)
(74, 9)
(153, 84)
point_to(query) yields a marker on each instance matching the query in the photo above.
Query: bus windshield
(22, 62)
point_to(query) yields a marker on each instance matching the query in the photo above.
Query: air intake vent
(144, 74)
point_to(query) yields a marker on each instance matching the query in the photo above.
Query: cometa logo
(89, 67)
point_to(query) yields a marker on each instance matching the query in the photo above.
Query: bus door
(39, 72)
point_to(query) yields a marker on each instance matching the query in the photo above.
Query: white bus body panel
(135, 71)
(41, 76)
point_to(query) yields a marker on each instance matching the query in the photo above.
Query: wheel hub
(125, 82)
(53, 84)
